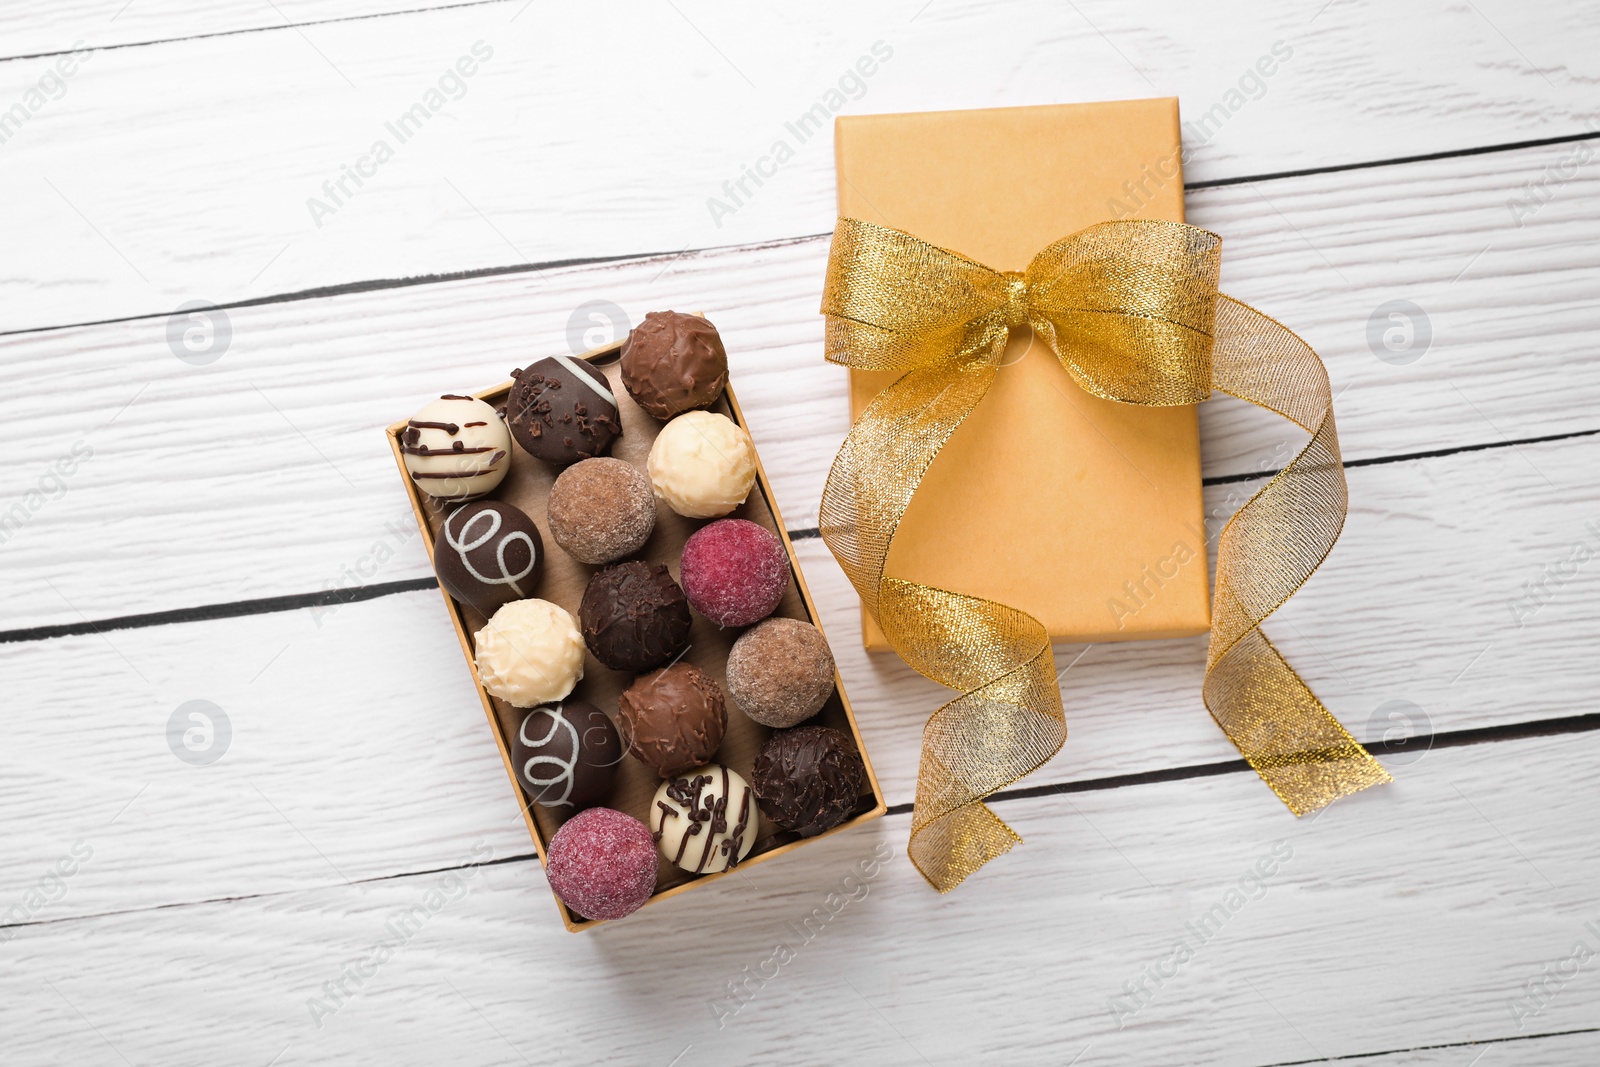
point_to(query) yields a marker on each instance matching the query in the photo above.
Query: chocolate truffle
(566, 754)
(634, 616)
(601, 510)
(672, 719)
(562, 410)
(456, 448)
(673, 363)
(602, 864)
(734, 572)
(529, 653)
(781, 672)
(488, 553)
(808, 779)
(702, 464)
(704, 820)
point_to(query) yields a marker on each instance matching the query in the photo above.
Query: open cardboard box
(527, 486)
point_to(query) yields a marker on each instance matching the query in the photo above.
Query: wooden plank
(534, 159)
(356, 727)
(197, 463)
(1369, 932)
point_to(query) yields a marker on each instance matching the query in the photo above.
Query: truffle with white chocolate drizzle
(566, 754)
(562, 410)
(704, 821)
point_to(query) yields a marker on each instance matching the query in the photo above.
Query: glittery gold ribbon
(1132, 311)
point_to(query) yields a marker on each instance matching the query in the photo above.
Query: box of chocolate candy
(634, 617)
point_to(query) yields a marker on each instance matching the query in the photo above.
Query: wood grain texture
(219, 144)
(1374, 930)
(197, 463)
(359, 750)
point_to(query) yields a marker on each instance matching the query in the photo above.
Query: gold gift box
(1083, 512)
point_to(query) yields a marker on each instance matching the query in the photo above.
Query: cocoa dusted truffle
(781, 672)
(673, 363)
(562, 410)
(634, 616)
(807, 780)
(566, 754)
(601, 510)
(673, 719)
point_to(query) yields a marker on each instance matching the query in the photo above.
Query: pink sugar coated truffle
(734, 572)
(602, 864)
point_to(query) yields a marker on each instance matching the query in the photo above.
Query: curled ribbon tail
(1267, 551)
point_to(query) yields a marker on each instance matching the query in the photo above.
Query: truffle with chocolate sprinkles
(807, 780)
(601, 510)
(602, 863)
(704, 820)
(780, 673)
(562, 410)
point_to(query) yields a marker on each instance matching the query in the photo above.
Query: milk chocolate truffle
(702, 464)
(488, 553)
(734, 572)
(602, 864)
(562, 410)
(807, 780)
(672, 719)
(781, 672)
(704, 820)
(673, 363)
(529, 653)
(634, 616)
(566, 754)
(601, 510)
(456, 448)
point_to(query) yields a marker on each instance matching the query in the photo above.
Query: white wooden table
(229, 528)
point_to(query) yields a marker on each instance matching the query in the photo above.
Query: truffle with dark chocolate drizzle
(562, 410)
(704, 821)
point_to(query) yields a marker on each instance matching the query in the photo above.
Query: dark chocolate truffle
(807, 780)
(487, 554)
(562, 410)
(566, 754)
(673, 719)
(601, 510)
(634, 616)
(780, 672)
(673, 363)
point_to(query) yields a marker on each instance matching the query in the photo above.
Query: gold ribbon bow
(1132, 311)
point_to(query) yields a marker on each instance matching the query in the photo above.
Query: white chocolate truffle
(456, 448)
(530, 653)
(702, 465)
(704, 820)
